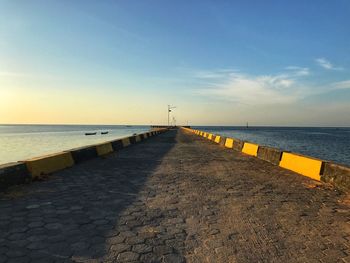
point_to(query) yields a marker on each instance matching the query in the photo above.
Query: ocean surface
(332, 144)
(20, 142)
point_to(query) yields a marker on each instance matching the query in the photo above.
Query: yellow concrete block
(48, 164)
(126, 142)
(138, 138)
(229, 143)
(210, 136)
(250, 148)
(104, 148)
(304, 165)
(217, 139)
(205, 135)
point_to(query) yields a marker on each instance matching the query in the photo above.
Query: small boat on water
(106, 132)
(90, 133)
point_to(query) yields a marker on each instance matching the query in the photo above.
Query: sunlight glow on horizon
(220, 63)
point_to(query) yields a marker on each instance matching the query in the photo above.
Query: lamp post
(169, 110)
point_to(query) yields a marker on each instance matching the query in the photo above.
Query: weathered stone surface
(237, 145)
(222, 141)
(336, 174)
(270, 154)
(83, 153)
(132, 139)
(174, 198)
(13, 174)
(117, 145)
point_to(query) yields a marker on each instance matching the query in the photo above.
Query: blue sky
(219, 62)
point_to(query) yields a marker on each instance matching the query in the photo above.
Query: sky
(275, 63)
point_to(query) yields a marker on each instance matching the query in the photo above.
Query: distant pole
(168, 114)
(169, 110)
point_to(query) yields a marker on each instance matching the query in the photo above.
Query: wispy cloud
(13, 74)
(341, 85)
(17, 75)
(326, 64)
(287, 87)
(214, 74)
(299, 71)
(255, 90)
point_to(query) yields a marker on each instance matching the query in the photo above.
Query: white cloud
(342, 84)
(24, 75)
(299, 71)
(255, 90)
(324, 63)
(13, 74)
(214, 74)
(246, 89)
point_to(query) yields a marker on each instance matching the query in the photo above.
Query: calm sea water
(331, 144)
(20, 142)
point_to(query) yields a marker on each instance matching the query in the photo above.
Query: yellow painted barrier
(48, 164)
(301, 164)
(205, 135)
(104, 148)
(229, 143)
(138, 138)
(210, 136)
(126, 142)
(250, 148)
(217, 139)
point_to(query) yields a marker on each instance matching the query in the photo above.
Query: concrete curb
(12, 174)
(82, 154)
(35, 168)
(270, 154)
(319, 170)
(337, 175)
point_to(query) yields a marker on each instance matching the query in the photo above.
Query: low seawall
(320, 170)
(35, 168)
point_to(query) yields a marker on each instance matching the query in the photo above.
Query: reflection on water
(326, 143)
(19, 142)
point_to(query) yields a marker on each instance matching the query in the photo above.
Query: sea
(329, 143)
(21, 142)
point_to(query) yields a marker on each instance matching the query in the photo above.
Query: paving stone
(127, 256)
(119, 248)
(19, 260)
(135, 240)
(141, 248)
(149, 258)
(173, 258)
(162, 250)
(175, 198)
(54, 226)
(15, 253)
(36, 224)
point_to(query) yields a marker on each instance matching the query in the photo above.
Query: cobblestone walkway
(174, 198)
